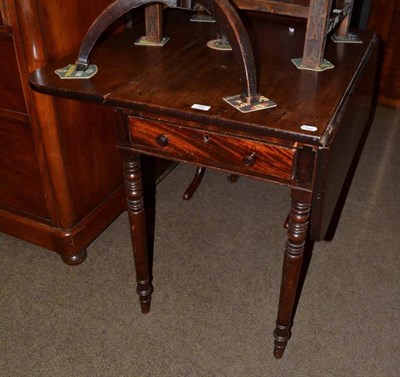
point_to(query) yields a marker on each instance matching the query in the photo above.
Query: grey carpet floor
(217, 267)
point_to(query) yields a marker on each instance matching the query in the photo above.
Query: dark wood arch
(222, 10)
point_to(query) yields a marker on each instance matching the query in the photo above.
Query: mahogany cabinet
(60, 172)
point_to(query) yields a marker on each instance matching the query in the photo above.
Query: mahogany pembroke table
(306, 142)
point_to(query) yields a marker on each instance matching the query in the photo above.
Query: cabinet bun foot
(74, 260)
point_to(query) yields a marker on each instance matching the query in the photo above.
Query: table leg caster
(281, 335)
(144, 291)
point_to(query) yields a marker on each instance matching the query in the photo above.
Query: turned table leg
(136, 213)
(293, 259)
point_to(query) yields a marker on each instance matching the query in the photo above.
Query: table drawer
(204, 148)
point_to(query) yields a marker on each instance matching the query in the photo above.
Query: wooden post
(315, 39)
(294, 252)
(134, 193)
(154, 23)
(154, 27)
(344, 25)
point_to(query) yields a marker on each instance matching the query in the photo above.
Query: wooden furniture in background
(53, 191)
(322, 19)
(306, 143)
(384, 20)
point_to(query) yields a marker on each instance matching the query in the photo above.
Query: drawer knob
(162, 140)
(250, 159)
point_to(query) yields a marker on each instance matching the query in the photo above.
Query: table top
(169, 80)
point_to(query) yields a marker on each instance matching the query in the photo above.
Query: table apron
(200, 147)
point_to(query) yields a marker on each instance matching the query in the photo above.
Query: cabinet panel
(11, 94)
(20, 181)
(384, 20)
(90, 153)
(65, 26)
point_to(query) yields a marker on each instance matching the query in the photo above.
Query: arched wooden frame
(222, 10)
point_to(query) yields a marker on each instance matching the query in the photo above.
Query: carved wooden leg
(154, 26)
(316, 34)
(154, 23)
(134, 193)
(195, 183)
(74, 260)
(294, 252)
(344, 25)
